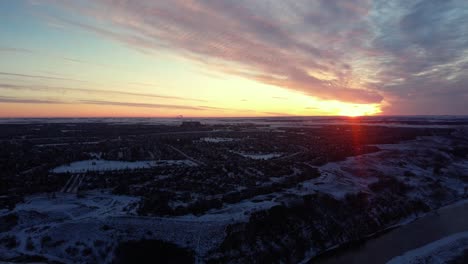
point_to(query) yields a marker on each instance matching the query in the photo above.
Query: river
(433, 226)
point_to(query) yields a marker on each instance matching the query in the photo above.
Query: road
(186, 156)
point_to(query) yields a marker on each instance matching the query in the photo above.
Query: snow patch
(259, 156)
(217, 139)
(112, 165)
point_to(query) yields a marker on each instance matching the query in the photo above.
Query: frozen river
(431, 227)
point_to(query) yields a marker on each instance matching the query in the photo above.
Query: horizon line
(229, 117)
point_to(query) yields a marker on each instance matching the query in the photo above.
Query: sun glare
(349, 109)
(359, 110)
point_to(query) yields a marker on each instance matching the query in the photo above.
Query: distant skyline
(216, 58)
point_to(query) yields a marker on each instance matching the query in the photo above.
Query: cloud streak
(144, 105)
(19, 100)
(93, 91)
(11, 49)
(6, 99)
(39, 77)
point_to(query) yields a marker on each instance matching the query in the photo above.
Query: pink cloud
(258, 45)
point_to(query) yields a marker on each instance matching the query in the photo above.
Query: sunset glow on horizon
(221, 58)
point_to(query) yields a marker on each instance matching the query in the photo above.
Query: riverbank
(445, 250)
(393, 241)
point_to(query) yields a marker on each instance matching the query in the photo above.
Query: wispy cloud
(275, 114)
(279, 98)
(11, 49)
(52, 55)
(39, 77)
(24, 100)
(106, 93)
(144, 105)
(6, 99)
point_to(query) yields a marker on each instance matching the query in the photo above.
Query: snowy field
(356, 173)
(67, 144)
(111, 165)
(97, 220)
(217, 139)
(259, 156)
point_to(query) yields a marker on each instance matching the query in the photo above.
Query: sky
(214, 58)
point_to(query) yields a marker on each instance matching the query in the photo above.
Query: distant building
(191, 124)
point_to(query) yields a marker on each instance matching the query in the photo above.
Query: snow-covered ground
(259, 156)
(217, 139)
(56, 227)
(75, 220)
(67, 144)
(93, 204)
(440, 251)
(356, 173)
(353, 175)
(111, 165)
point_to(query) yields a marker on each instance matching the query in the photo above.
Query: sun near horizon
(21, 110)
